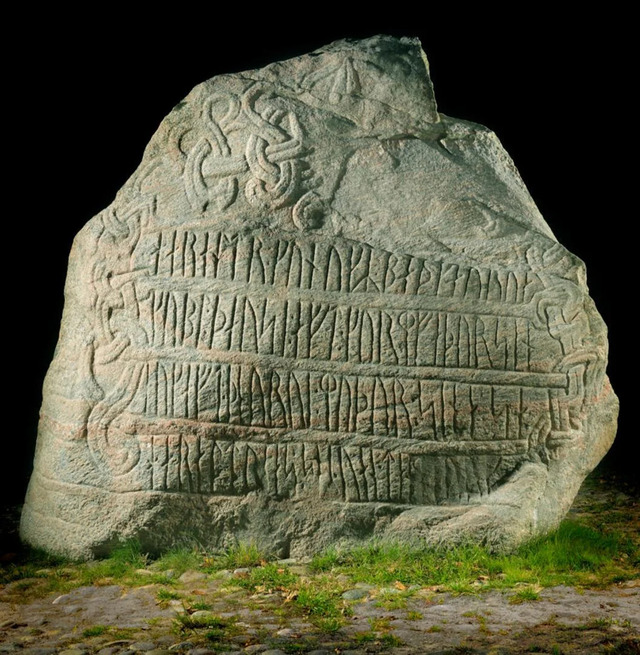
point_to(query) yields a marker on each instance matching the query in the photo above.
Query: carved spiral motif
(309, 212)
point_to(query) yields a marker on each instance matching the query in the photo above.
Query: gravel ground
(112, 620)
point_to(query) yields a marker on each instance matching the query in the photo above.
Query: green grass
(381, 632)
(214, 629)
(323, 605)
(328, 624)
(130, 553)
(482, 620)
(365, 637)
(380, 624)
(40, 574)
(33, 564)
(167, 594)
(573, 555)
(122, 633)
(317, 602)
(390, 640)
(242, 555)
(163, 596)
(593, 552)
(524, 595)
(300, 647)
(199, 622)
(268, 578)
(603, 623)
(394, 601)
(626, 647)
(121, 564)
(318, 599)
(386, 639)
(179, 560)
(384, 564)
(216, 635)
(95, 631)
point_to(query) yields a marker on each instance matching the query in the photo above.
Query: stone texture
(355, 594)
(319, 311)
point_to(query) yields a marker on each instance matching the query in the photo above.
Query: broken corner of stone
(319, 312)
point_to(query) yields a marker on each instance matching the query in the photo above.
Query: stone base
(84, 522)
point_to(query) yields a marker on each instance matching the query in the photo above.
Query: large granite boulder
(319, 312)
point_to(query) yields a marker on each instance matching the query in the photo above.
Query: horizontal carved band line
(468, 376)
(301, 330)
(360, 300)
(338, 265)
(145, 430)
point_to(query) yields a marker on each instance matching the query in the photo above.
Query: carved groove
(192, 464)
(342, 344)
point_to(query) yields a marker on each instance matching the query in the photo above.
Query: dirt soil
(563, 620)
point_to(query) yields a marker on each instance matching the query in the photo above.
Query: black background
(87, 93)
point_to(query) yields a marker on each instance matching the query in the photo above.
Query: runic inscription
(192, 464)
(315, 265)
(338, 341)
(315, 312)
(388, 406)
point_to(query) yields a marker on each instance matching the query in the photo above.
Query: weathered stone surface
(319, 311)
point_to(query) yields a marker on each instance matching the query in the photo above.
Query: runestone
(319, 312)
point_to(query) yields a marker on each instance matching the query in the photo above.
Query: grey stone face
(319, 312)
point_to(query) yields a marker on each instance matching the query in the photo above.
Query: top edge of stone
(390, 74)
(387, 46)
(377, 87)
(373, 42)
